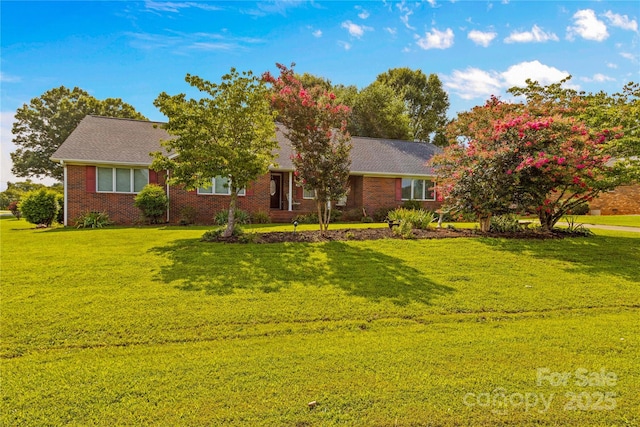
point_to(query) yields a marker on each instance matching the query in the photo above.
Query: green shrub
(215, 235)
(310, 218)
(93, 220)
(60, 216)
(416, 218)
(505, 224)
(13, 207)
(39, 206)
(352, 215)
(380, 215)
(188, 215)
(152, 202)
(241, 217)
(367, 219)
(404, 230)
(412, 204)
(260, 217)
(581, 209)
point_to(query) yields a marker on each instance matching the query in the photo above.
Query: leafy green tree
(378, 112)
(15, 191)
(425, 99)
(41, 126)
(40, 206)
(316, 125)
(230, 132)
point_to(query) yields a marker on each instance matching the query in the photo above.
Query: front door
(275, 188)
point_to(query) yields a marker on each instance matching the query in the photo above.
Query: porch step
(281, 216)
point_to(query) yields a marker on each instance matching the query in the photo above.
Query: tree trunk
(485, 223)
(231, 221)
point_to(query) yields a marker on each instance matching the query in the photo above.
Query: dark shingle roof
(111, 140)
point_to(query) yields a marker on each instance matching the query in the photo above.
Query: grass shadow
(617, 256)
(223, 269)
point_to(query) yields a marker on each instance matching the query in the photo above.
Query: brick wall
(380, 193)
(208, 205)
(623, 200)
(119, 206)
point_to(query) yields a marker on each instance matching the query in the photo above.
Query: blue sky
(135, 50)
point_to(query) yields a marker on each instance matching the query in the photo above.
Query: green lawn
(149, 326)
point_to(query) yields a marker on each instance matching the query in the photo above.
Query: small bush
(581, 209)
(404, 230)
(367, 219)
(241, 217)
(416, 218)
(412, 204)
(505, 224)
(39, 206)
(310, 218)
(381, 214)
(215, 235)
(188, 215)
(13, 207)
(152, 202)
(93, 220)
(260, 217)
(352, 215)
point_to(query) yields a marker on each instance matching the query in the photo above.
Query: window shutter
(153, 177)
(298, 192)
(249, 190)
(398, 189)
(90, 179)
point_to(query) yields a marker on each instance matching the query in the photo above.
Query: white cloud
(476, 83)
(8, 78)
(534, 70)
(587, 26)
(391, 31)
(432, 3)
(629, 56)
(436, 39)
(612, 65)
(317, 33)
(406, 13)
(355, 30)
(344, 45)
(621, 21)
(178, 42)
(174, 7)
(473, 83)
(482, 38)
(536, 35)
(599, 78)
(364, 14)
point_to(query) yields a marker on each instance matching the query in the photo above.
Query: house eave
(100, 162)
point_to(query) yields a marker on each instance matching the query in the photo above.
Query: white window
(121, 180)
(418, 189)
(220, 186)
(308, 194)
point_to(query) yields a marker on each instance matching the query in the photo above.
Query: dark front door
(275, 188)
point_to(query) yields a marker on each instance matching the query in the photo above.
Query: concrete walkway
(605, 227)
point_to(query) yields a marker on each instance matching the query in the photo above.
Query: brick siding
(623, 200)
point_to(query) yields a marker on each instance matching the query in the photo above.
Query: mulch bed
(384, 233)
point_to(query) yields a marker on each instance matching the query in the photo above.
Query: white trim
(424, 189)
(241, 192)
(64, 192)
(114, 179)
(102, 162)
(290, 198)
(167, 190)
(390, 175)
